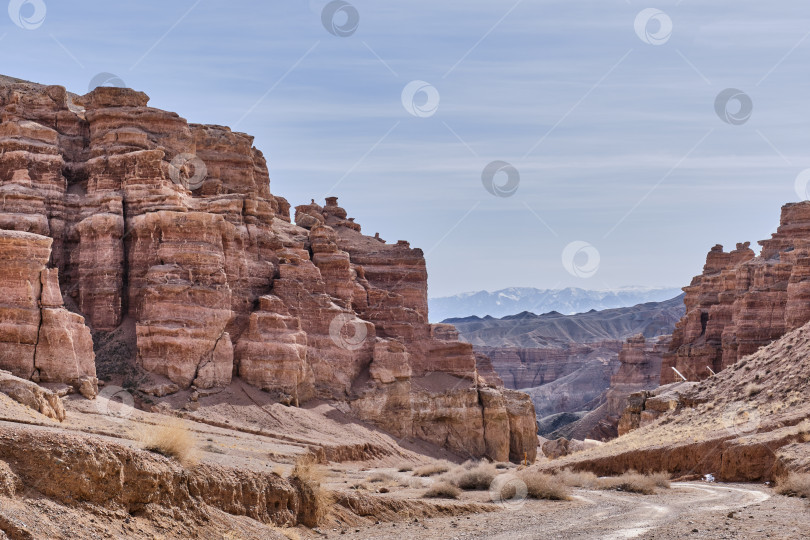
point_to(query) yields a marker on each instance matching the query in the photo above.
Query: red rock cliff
(742, 301)
(172, 225)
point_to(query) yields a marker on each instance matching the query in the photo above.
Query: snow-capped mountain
(566, 301)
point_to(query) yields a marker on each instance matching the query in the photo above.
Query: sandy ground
(246, 433)
(687, 510)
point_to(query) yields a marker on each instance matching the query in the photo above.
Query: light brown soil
(688, 510)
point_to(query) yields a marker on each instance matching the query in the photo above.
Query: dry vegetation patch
(432, 469)
(794, 485)
(472, 475)
(581, 479)
(172, 439)
(442, 490)
(309, 476)
(541, 485)
(634, 482)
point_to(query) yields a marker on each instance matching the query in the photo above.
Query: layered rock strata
(173, 226)
(742, 301)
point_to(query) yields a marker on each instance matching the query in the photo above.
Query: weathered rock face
(639, 370)
(40, 340)
(172, 225)
(742, 301)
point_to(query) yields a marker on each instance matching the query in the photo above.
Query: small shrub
(583, 479)
(442, 490)
(634, 482)
(308, 477)
(432, 469)
(171, 439)
(753, 389)
(380, 477)
(794, 485)
(405, 467)
(477, 476)
(545, 486)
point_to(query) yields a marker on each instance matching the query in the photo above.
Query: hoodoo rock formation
(135, 216)
(742, 302)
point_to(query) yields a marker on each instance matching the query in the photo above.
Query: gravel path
(688, 510)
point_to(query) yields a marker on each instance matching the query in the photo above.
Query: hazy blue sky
(593, 111)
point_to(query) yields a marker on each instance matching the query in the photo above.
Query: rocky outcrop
(40, 340)
(747, 423)
(742, 301)
(32, 395)
(171, 228)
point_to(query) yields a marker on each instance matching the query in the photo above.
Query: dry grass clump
(472, 475)
(544, 486)
(634, 482)
(405, 467)
(794, 485)
(442, 490)
(380, 477)
(431, 469)
(753, 389)
(308, 476)
(582, 479)
(172, 439)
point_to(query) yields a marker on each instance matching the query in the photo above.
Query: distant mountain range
(565, 301)
(553, 329)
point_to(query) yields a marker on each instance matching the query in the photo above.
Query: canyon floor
(235, 430)
(687, 510)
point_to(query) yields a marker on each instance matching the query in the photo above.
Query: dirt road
(687, 510)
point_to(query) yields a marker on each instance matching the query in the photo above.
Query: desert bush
(172, 439)
(437, 467)
(442, 490)
(753, 389)
(475, 476)
(544, 486)
(794, 485)
(634, 482)
(583, 479)
(405, 467)
(308, 477)
(380, 477)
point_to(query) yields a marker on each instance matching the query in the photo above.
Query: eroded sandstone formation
(40, 340)
(173, 226)
(742, 301)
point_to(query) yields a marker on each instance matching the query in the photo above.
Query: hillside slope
(749, 422)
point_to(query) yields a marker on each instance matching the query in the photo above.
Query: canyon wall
(133, 215)
(742, 302)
